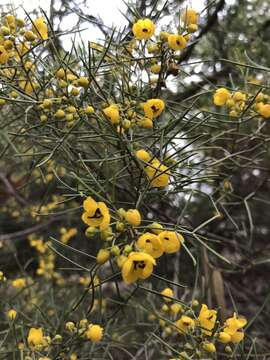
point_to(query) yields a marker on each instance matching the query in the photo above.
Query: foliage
(131, 196)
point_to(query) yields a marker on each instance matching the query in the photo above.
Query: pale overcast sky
(108, 10)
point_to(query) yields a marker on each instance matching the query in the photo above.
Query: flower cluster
(238, 101)
(203, 325)
(138, 258)
(157, 173)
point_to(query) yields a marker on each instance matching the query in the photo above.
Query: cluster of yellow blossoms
(144, 29)
(16, 39)
(204, 327)
(137, 259)
(238, 102)
(37, 341)
(125, 118)
(157, 173)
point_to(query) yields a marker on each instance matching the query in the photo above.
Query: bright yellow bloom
(19, 283)
(239, 96)
(121, 259)
(94, 333)
(146, 123)
(133, 217)
(59, 114)
(224, 337)
(232, 327)
(167, 292)
(158, 173)
(192, 28)
(171, 241)
(4, 55)
(151, 244)
(185, 324)
(209, 347)
(35, 337)
(207, 320)
(40, 28)
(176, 42)
(11, 314)
(264, 110)
(143, 29)
(190, 16)
(96, 214)
(112, 113)
(89, 110)
(143, 155)
(102, 256)
(153, 108)
(27, 86)
(83, 81)
(175, 308)
(138, 265)
(155, 228)
(221, 96)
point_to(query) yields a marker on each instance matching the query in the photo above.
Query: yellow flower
(96, 214)
(171, 241)
(83, 81)
(137, 266)
(239, 96)
(29, 36)
(143, 155)
(175, 308)
(221, 96)
(27, 86)
(102, 256)
(35, 337)
(176, 42)
(167, 293)
(89, 110)
(190, 16)
(12, 314)
(185, 324)
(157, 173)
(59, 114)
(94, 333)
(19, 283)
(151, 244)
(264, 110)
(143, 29)
(146, 123)
(133, 217)
(192, 28)
(153, 108)
(155, 228)
(4, 55)
(40, 28)
(112, 113)
(232, 327)
(121, 259)
(224, 337)
(209, 347)
(207, 319)
(155, 69)
(70, 326)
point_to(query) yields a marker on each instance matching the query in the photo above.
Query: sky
(109, 10)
